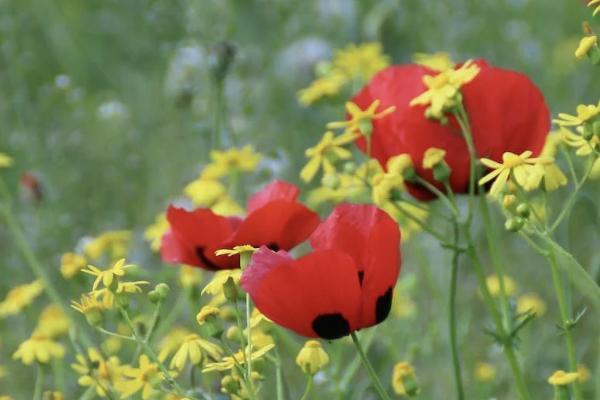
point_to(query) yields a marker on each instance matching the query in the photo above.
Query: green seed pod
(514, 224)
(523, 210)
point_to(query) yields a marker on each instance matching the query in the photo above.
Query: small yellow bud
(562, 378)
(531, 302)
(432, 157)
(312, 357)
(206, 313)
(584, 373)
(493, 284)
(485, 372)
(585, 45)
(404, 380)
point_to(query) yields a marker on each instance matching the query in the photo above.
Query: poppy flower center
(204, 260)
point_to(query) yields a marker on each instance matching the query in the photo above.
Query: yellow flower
(312, 358)
(190, 276)
(584, 114)
(97, 372)
(215, 286)
(227, 207)
(114, 243)
(326, 153)
(386, 185)
(224, 162)
(38, 348)
(194, 348)
(360, 62)
(584, 373)
(562, 378)
(513, 165)
(236, 250)
(107, 296)
(585, 45)
(485, 372)
(360, 120)
(5, 160)
(595, 3)
(171, 342)
(206, 312)
(87, 304)
(531, 302)
(205, 192)
(20, 297)
(156, 231)
(440, 61)
(50, 395)
(493, 284)
(584, 147)
(442, 89)
(229, 362)
(107, 276)
(144, 378)
(53, 322)
(553, 140)
(548, 173)
(403, 379)
(257, 317)
(328, 85)
(71, 263)
(432, 157)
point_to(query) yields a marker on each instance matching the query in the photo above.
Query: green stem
(309, 385)
(372, 374)
(218, 114)
(565, 319)
(249, 343)
(278, 377)
(39, 383)
(353, 366)
(173, 314)
(460, 392)
(150, 331)
(440, 237)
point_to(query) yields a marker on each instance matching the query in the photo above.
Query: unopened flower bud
(523, 210)
(404, 380)
(160, 293)
(508, 200)
(514, 224)
(230, 289)
(588, 132)
(349, 167)
(331, 181)
(312, 357)
(233, 333)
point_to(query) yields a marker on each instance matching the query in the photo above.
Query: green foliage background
(105, 171)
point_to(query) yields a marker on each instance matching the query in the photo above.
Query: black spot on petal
(361, 276)
(383, 305)
(208, 264)
(331, 326)
(273, 246)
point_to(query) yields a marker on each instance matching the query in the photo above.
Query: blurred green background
(108, 103)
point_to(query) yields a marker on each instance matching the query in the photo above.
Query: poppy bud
(523, 210)
(312, 357)
(514, 224)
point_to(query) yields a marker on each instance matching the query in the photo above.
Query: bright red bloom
(507, 112)
(345, 284)
(275, 219)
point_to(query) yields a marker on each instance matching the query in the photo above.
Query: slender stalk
(309, 385)
(355, 363)
(39, 383)
(173, 314)
(278, 377)
(440, 237)
(372, 374)
(249, 343)
(218, 114)
(565, 318)
(150, 331)
(460, 392)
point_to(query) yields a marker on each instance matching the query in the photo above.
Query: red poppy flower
(345, 284)
(507, 112)
(275, 219)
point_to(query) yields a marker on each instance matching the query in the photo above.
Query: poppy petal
(276, 190)
(317, 295)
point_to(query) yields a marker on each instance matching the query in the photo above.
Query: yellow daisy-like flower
(215, 286)
(97, 372)
(584, 147)
(360, 120)
(205, 192)
(171, 342)
(328, 85)
(107, 296)
(118, 270)
(206, 312)
(493, 284)
(114, 243)
(71, 263)
(230, 362)
(432, 157)
(245, 159)
(325, 154)
(547, 173)
(442, 89)
(585, 45)
(5, 160)
(402, 376)
(485, 372)
(38, 348)
(531, 302)
(440, 61)
(236, 250)
(145, 378)
(312, 358)
(584, 114)
(227, 207)
(513, 165)
(194, 349)
(20, 297)
(362, 61)
(53, 322)
(88, 304)
(562, 378)
(156, 231)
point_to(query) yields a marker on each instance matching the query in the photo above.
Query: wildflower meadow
(326, 199)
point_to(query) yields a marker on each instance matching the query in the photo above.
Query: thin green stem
(278, 377)
(460, 392)
(249, 343)
(372, 374)
(355, 363)
(565, 320)
(39, 383)
(440, 237)
(440, 195)
(173, 314)
(150, 331)
(109, 333)
(463, 121)
(218, 114)
(309, 385)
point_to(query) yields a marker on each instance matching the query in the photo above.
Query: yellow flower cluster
(114, 244)
(353, 64)
(20, 297)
